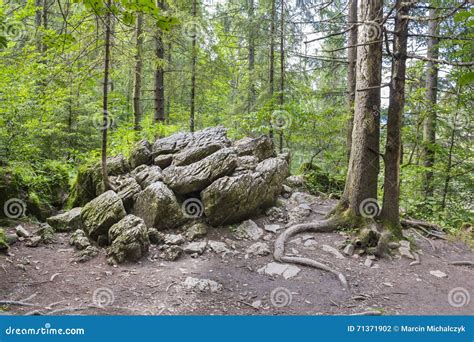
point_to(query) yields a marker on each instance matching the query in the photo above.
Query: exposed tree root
(13, 302)
(424, 237)
(436, 231)
(417, 260)
(461, 263)
(324, 226)
(367, 313)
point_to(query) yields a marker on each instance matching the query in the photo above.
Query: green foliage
(319, 181)
(3, 240)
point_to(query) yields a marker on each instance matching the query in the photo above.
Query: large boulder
(128, 240)
(66, 222)
(232, 199)
(194, 154)
(197, 176)
(158, 207)
(147, 175)
(261, 147)
(140, 154)
(127, 189)
(178, 141)
(101, 213)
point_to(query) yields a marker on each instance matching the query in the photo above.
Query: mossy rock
(3, 241)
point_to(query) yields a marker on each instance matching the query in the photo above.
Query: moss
(319, 181)
(3, 241)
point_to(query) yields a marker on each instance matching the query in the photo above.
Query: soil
(56, 285)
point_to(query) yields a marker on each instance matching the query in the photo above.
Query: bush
(319, 181)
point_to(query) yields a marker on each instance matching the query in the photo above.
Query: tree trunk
(137, 80)
(429, 125)
(272, 64)
(168, 94)
(159, 81)
(391, 190)
(361, 181)
(282, 66)
(351, 73)
(251, 57)
(105, 122)
(38, 15)
(193, 72)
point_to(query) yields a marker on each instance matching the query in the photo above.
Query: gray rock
(79, 240)
(158, 207)
(22, 232)
(218, 247)
(194, 154)
(128, 240)
(197, 176)
(438, 274)
(47, 233)
(146, 176)
(197, 230)
(163, 160)
(66, 222)
(259, 248)
(261, 147)
(33, 241)
(156, 237)
(285, 270)
(127, 189)
(174, 239)
(274, 228)
(101, 213)
(232, 199)
(178, 141)
(171, 253)
(140, 154)
(349, 250)
(86, 254)
(248, 230)
(276, 214)
(368, 262)
(202, 285)
(195, 247)
(10, 239)
(295, 181)
(405, 252)
(298, 198)
(299, 214)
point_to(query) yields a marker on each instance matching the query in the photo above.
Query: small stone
(259, 248)
(156, 237)
(439, 274)
(405, 252)
(388, 284)
(248, 230)
(174, 239)
(171, 253)
(202, 285)
(393, 245)
(273, 228)
(218, 247)
(310, 243)
(22, 232)
(368, 262)
(405, 243)
(349, 250)
(195, 247)
(33, 241)
(86, 254)
(274, 268)
(10, 239)
(257, 304)
(196, 231)
(333, 251)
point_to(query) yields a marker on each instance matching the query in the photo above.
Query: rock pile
(186, 178)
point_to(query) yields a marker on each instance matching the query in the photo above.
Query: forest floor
(47, 277)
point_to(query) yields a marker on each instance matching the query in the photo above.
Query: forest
(367, 104)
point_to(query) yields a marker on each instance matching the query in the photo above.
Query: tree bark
(251, 57)
(429, 125)
(193, 72)
(137, 79)
(159, 101)
(271, 79)
(105, 118)
(391, 190)
(282, 66)
(351, 73)
(361, 180)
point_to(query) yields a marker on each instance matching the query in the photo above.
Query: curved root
(324, 226)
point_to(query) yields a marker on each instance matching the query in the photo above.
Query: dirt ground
(47, 278)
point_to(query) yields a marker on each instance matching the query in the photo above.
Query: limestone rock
(232, 199)
(163, 160)
(140, 154)
(128, 240)
(197, 230)
(147, 175)
(158, 207)
(202, 285)
(259, 248)
(295, 181)
(192, 155)
(275, 268)
(156, 237)
(66, 222)
(127, 189)
(218, 247)
(248, 230)
(195, 247)
(79, 240)
(101, 213)
(197, 176)
(438, 274)
(171, 253)
(261, 147)
(174, 239)
(274, 228)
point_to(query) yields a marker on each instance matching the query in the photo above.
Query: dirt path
(154, 286)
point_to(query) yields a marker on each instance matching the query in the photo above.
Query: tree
(351, 77)
(271, 78)
(137, 80)
(159, 76)
(193, 67)
(390, 214)
(429, 125)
